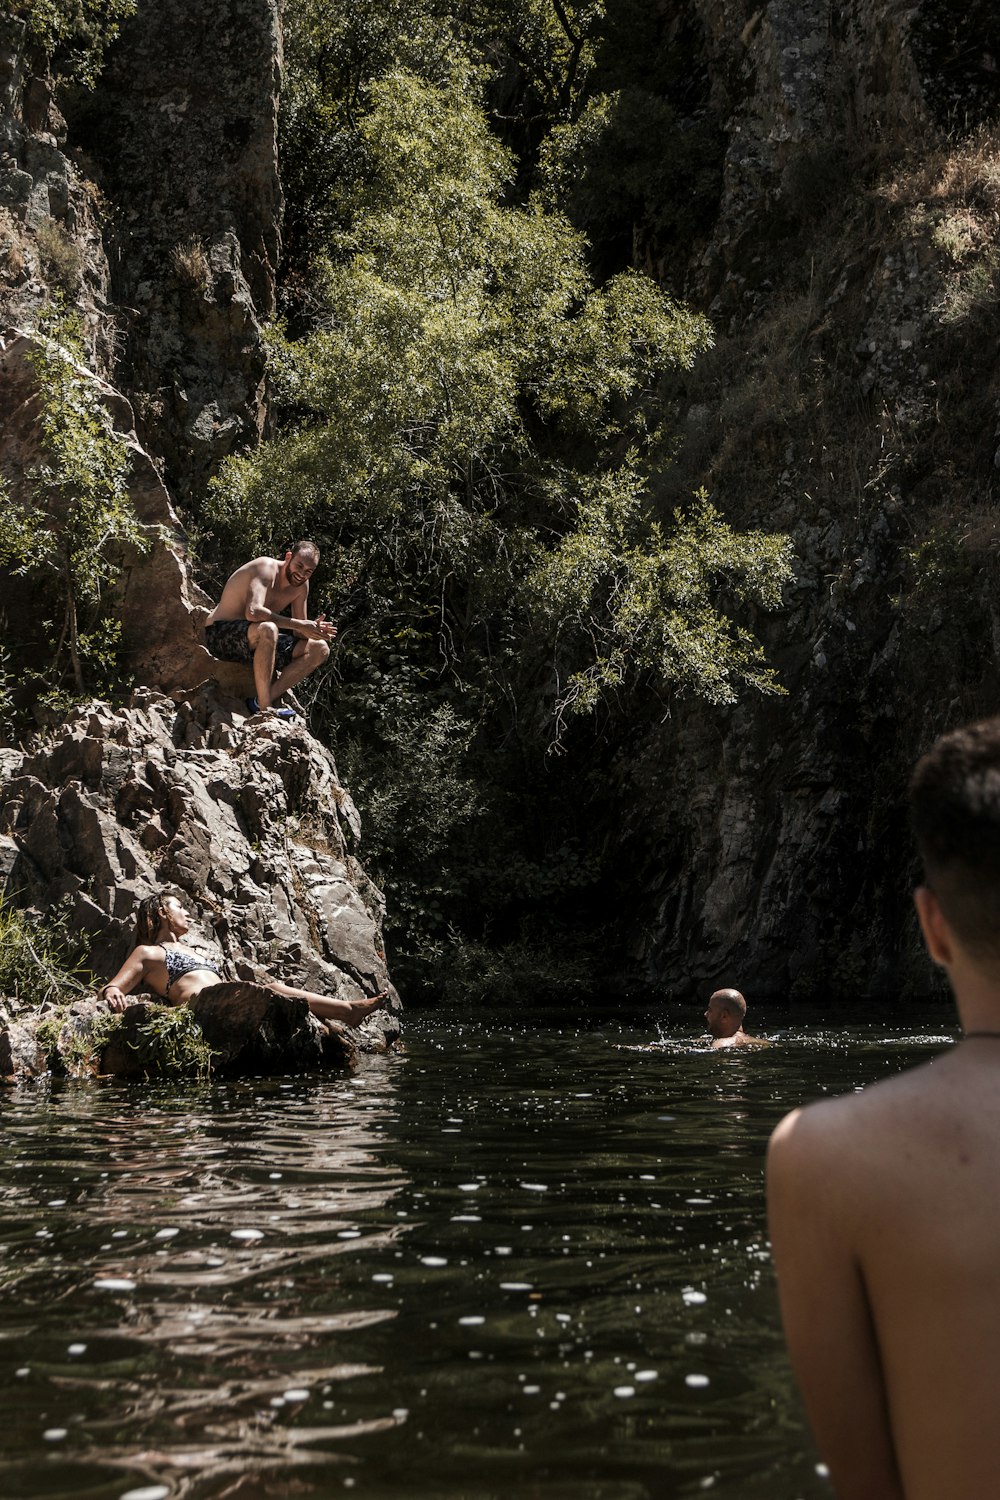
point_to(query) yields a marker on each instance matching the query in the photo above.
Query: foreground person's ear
(934, 926)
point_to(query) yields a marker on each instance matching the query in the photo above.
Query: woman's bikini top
(179, 962)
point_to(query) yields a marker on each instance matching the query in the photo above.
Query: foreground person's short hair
(955, 809)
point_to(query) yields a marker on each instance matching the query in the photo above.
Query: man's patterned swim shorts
(227, 641)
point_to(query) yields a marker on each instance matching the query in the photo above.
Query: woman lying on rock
(160, 962)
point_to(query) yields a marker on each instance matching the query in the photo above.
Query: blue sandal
(253, 707)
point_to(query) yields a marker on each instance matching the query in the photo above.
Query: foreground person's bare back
(885, 1220)
(884, 1205)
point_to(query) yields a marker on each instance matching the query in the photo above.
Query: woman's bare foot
(362, 1008)
(347, 1012)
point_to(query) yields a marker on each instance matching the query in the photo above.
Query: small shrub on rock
(39, 964)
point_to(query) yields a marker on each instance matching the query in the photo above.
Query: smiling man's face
(301, 567)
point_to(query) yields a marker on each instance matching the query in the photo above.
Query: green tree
(637, 599)
(473, 431)
(552, 45)
(475, 410)
(332, 54)
(74, 34)
(72, 534)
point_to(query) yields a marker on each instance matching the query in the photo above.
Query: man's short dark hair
(305, 546)
(955, 810)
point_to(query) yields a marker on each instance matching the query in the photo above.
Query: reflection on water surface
(514, 1262)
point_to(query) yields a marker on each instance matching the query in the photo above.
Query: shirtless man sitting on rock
(884, 1205)
(249, 624)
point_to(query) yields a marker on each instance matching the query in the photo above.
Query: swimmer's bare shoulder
(741, 1040)
(885, 1231)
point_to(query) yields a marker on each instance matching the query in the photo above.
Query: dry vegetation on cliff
(842, 371)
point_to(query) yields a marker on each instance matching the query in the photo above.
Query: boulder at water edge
(245, 819)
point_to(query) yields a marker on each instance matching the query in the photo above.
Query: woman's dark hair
(148, 920)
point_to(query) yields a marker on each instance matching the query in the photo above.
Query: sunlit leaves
(467, 403)
(611, 356)
(332, 54)
(551, 41)
(645, 601)
(74, 34)
(81, 515)
(40, 962)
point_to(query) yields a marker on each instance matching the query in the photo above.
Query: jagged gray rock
(245, 818)
(230, 1029)
(51, 217)
(157, 211)
(21, 1054)
(182, 130)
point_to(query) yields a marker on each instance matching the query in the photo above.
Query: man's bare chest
(279, 599)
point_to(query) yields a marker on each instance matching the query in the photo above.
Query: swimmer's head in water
(955, 809)
(726, 1009)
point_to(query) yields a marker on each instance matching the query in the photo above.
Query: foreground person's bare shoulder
(849, 1138)
(813, 1125)
(826, 1173)
(811, 1139)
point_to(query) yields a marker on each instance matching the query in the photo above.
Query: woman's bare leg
(327, 1009)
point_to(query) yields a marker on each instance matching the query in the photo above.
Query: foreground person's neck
(977, 999)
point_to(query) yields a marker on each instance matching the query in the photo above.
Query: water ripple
(508, 1263)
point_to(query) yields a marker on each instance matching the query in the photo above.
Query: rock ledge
(244, 818)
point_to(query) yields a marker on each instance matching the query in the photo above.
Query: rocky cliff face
(246, 818)
(51, 215)
(852, 278)
(158, 602)
(180, 136)
(156, 212)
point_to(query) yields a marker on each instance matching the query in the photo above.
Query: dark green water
(515, 1262)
